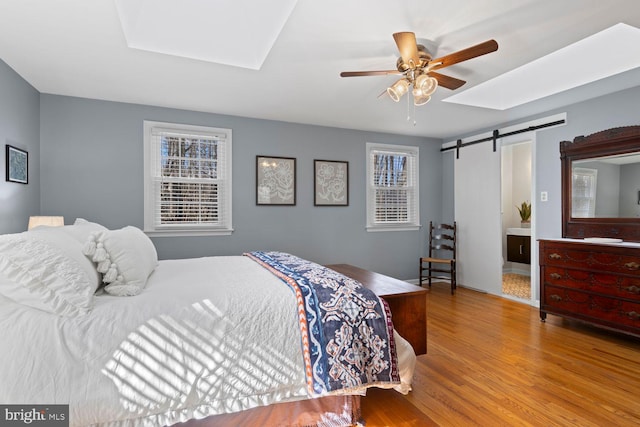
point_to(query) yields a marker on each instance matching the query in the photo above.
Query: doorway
(516, 215)
(478, 206)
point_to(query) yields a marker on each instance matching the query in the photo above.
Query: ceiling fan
(418, 68)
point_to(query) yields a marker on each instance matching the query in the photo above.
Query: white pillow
(126, 257)
(82, 229)
(67, 240)
(44, 268)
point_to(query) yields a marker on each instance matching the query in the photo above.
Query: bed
(95, 321)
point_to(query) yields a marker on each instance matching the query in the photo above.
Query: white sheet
(196, 342)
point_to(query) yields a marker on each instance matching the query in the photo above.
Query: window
(583, 193)
(187, 180)
(393, 201)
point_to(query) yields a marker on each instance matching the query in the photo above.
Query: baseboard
(482, 291)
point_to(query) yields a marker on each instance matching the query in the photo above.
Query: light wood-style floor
(491, 362)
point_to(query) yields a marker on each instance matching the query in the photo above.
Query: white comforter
(207, 336)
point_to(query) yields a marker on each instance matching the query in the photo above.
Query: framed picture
(275, 181)
(331, 183)
(17, 165)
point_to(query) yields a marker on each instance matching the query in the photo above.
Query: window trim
(411, 151)
(149, 195)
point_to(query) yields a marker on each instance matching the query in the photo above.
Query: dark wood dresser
(596, 283)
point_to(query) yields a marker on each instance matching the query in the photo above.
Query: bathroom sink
(519, 231)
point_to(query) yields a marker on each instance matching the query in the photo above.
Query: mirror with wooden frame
(601, 185)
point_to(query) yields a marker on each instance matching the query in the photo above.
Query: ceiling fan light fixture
(417, 67)
(421, 100)
(424, 86)
(398, 89)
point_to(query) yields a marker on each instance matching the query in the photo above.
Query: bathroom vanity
(519, 245)
(592, 273)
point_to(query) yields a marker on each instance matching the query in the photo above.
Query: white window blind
(392, 189)
(583, 192)
(187, 179)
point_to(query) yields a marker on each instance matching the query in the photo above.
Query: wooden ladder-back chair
(442, 255)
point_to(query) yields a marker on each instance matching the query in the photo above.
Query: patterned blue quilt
(346, 330)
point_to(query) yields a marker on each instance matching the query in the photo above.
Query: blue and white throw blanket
(346, 330)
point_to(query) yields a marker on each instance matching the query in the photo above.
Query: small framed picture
(275, 181)
(331, 183)
(17, 165)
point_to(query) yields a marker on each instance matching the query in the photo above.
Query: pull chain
(414, 113)
(408, 109)
(409, 103)
(409, 112)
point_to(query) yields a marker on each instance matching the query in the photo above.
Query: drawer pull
(632, 265)
(555, 297)
(555, 276)
(554, 256)
(633, 289)
(633, 315)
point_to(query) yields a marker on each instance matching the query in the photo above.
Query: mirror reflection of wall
(616, 192)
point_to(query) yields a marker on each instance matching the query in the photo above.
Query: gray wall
(94, 169)
(19, 127)
(448, 184)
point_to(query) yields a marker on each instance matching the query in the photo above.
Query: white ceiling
(78, 48)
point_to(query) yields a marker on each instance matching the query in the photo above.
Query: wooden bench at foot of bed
(408, 303)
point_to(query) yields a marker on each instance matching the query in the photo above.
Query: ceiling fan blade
(368, 73)
(464, 54)
(447, 81)
(408, 48)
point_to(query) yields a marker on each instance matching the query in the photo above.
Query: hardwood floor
(491, 362)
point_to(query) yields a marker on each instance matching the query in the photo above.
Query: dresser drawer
(589, 259)
(590, 281)
(596, 308)
(615, 311)
(565, 299)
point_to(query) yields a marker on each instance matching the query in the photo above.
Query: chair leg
(454, 285)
